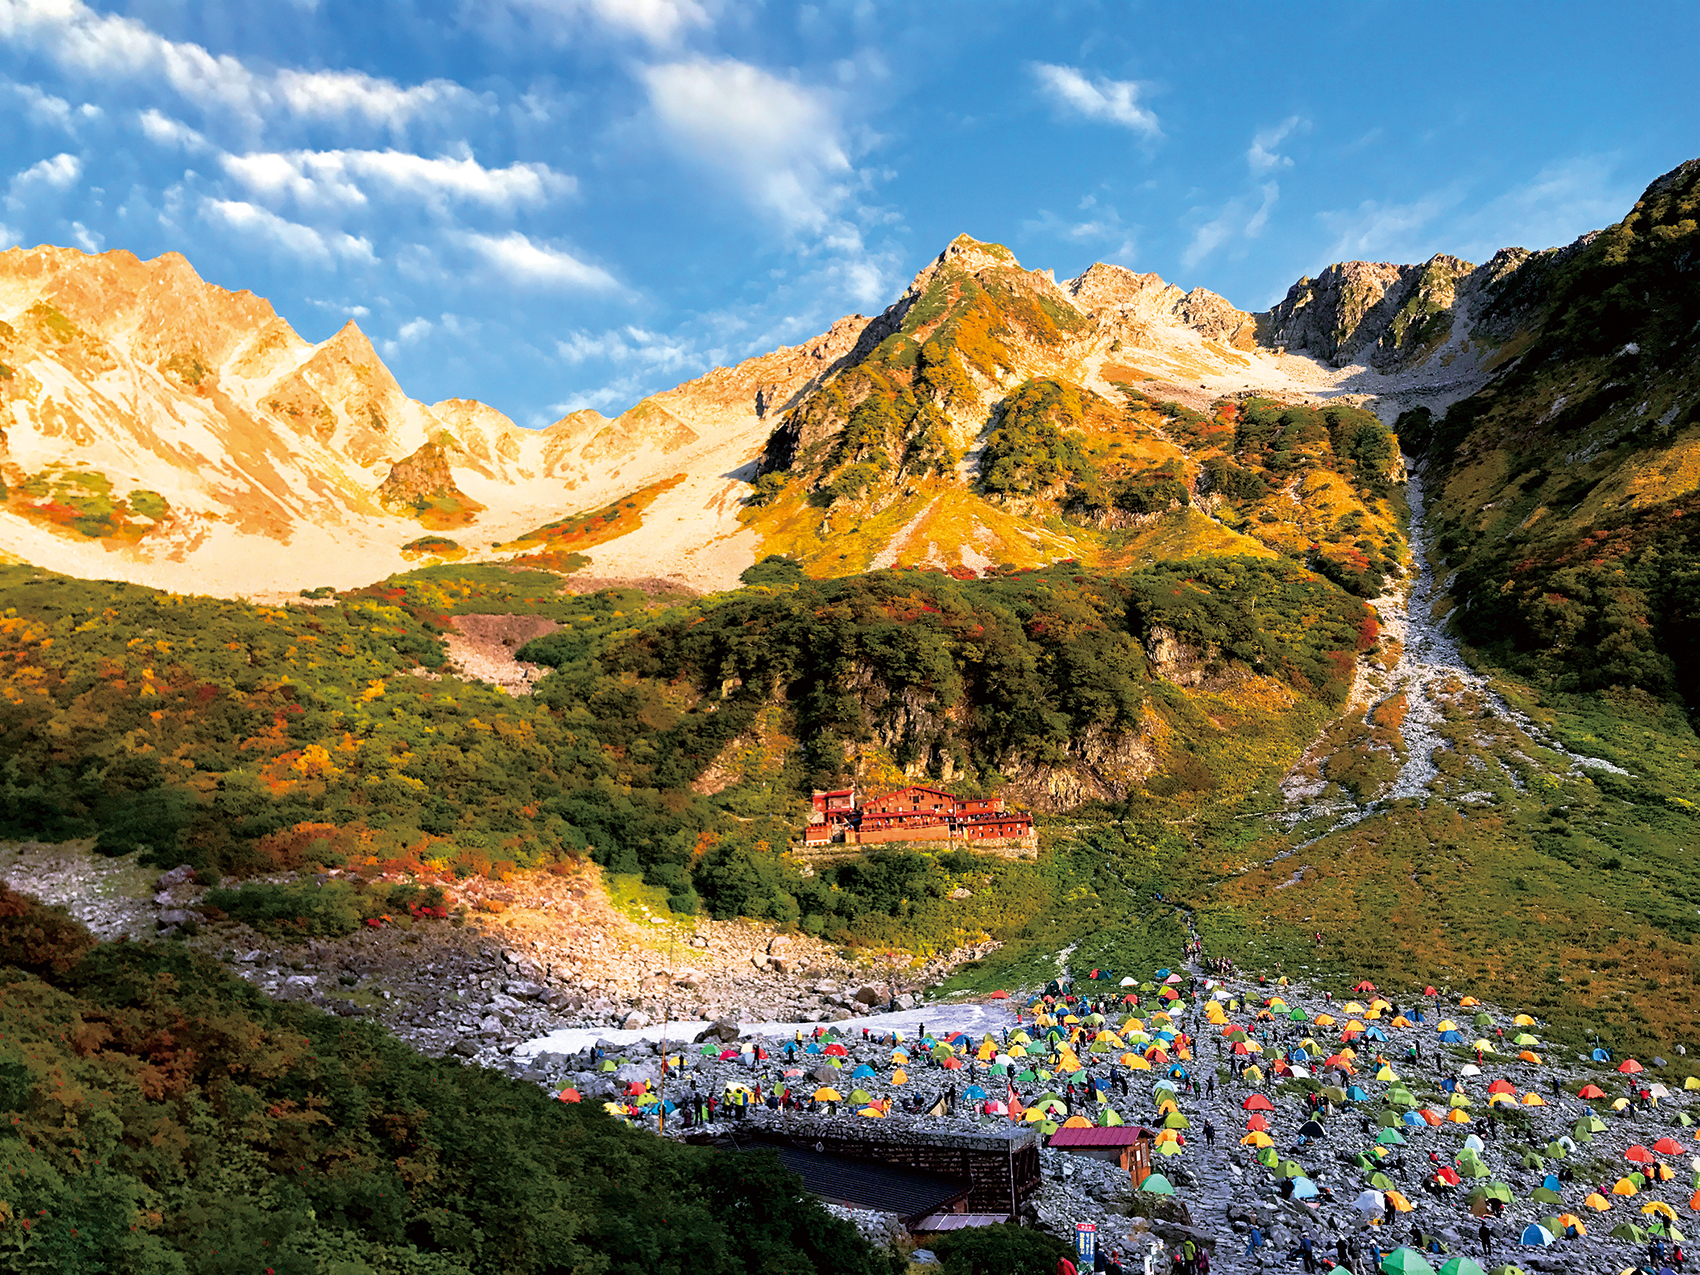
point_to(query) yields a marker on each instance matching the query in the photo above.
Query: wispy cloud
(46, 108)
(1262, 157)
(84, 41)
(656, 21)
(1098, 224)
(317, 247)
(47, 176)
(524, 261)
(1246, 215)
(162, 130)
(1097, 98)
(777, 143)
(343, 177)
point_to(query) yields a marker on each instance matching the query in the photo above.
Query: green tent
(1389, 1120)
(1471, 1168)
(1268, 1157)
(1390, 1138)
(1111, 1118)
(1544, 1195)
(1629, 1231)
(1461, 1265)
(1405, 1261)
(1175, 1120)
(1381, 1182)
(1556, 1150)
(1297, 1015)
(1157, 1184)
(1400, 1097)
(1290, 1169)
(1484, 1020)
(1532, 1161)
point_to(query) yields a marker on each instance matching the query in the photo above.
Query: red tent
(1668, 1146)
(836, 1050)
(1257, 1124)
(1257, 1102)
(1629, 1067)
(1638, 1154)
(1447, 1174)
(1591, 1091)
(1502, 1086)
(1365, 986)
(570, 1094)
(1000, 995)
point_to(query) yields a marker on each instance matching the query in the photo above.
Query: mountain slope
(1567, 488)
(162, 429)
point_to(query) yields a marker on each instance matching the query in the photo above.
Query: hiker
(1209, 1135)
(1484, 1233)
(1342, 1253)
(1255, 1242)
(1306, 1254)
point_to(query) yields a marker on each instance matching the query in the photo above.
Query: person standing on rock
(1254, 1242)
(1342, 1253)
(1484, 1233)
(1209, 1135)
(1307, 1253)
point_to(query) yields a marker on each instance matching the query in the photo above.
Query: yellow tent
(1458, 1116)
(1469, 1002)
(1257, 1140)
(900, 1077)
(1523, 1020)
(1399, 1020)
(1570, 1219)
(1533, 1099)
(872, 1113)
(1530, 1056)
(1693, 1082)
(1324, 1020)
(1660, 1209)
(1446, 1025)
(1597, 1202)
(1351, 1007)
(1398, 1201)
(1624, 1187)
(828, 1095)
(1077, 1122)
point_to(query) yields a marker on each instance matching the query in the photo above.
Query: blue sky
(549, 204)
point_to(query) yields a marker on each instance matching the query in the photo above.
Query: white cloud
(86, 239)
(627, 345)
(162, 130)
(1237, 220)
(45, 108)
(323, 248)
(351, 94)
(48, 176)
(657, 21)
(1262, 156)
(413, 330)
(1103, 226)
(777, 142)
(524, 261)
(1112, 101)
(1375, 230)
(341, 177)
(100, 45)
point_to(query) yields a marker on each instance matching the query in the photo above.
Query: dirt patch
(482, 647)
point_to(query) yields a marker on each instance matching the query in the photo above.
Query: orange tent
(1591, 1091)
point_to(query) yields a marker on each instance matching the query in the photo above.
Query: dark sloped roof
(1123, 1135)
(863, 1185)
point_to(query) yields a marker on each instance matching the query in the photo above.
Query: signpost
(1085, 1245)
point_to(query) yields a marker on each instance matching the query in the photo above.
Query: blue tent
(1357, 1093)
(1452, 1038)
(1304, 1189)
(1551, 1182)
(812, 1049)
(863, 1070)
(1299, 1054)
(1178, 1070)
(1164, 973)
(1375, 1033)
(1449, 1085)
(1413, 1119)
(1535, 1236)
(974, 1093)
(1601, 1055)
